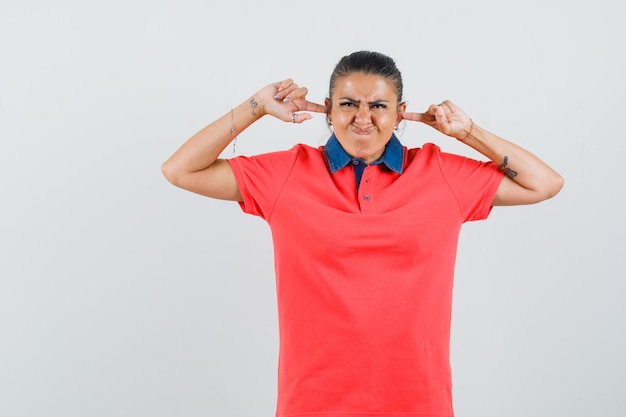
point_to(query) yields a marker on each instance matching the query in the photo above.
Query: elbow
(559, 182)
(554, 186)
(169, 172)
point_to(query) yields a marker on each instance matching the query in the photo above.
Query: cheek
(341, 117)
(385, 120)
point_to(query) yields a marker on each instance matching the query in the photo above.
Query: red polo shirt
(364, 279)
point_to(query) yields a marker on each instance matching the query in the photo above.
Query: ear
(401, 109)
(327, 104)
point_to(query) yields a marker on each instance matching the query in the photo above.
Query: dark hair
(370, 63)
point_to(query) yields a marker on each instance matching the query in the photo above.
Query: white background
(121, 295)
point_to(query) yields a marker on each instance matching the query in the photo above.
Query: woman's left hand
(445, 117)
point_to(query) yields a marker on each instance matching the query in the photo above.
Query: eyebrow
(358, 101)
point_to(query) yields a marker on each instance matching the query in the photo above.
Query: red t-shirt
(364, 282)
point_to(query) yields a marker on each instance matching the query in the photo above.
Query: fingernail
(277, 96)
(287, 99)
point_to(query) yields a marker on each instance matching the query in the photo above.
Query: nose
(363, 115)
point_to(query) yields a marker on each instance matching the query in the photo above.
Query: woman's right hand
(285, 100)
(195, 165)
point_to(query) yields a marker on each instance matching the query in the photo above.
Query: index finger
(312, 107)
(418, 117)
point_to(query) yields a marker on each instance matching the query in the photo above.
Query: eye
(379, 106)
(346, 104)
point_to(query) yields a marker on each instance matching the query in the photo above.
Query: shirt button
(355, 162)
(366, 197)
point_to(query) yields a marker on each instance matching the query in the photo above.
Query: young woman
(365, 234)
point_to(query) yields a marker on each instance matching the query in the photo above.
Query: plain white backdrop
(121, 295)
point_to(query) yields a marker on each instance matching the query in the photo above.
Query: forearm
(202, 149)
(520, 165)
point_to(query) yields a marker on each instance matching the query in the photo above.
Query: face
(364, 112)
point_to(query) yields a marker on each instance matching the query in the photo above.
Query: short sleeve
(260, 179)
(473, 182)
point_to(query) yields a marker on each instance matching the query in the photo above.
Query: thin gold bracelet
(232, 129)
(470, 131)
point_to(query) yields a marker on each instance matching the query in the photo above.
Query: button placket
(365, 191)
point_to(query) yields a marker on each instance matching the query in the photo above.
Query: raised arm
(528, 179)
(195, 165)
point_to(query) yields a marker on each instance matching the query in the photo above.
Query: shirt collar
(393, 156)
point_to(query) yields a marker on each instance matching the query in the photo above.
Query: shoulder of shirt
(427, 149)
(297, 154)
(295, 150)
(430, 150)
(428, 146)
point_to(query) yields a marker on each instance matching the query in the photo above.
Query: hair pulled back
(369, 63)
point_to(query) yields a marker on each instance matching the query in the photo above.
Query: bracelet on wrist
(470, 131)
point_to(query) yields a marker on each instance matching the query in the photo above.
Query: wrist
(255, 109)
(467, 132)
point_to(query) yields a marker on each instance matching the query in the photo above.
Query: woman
(365, 234)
